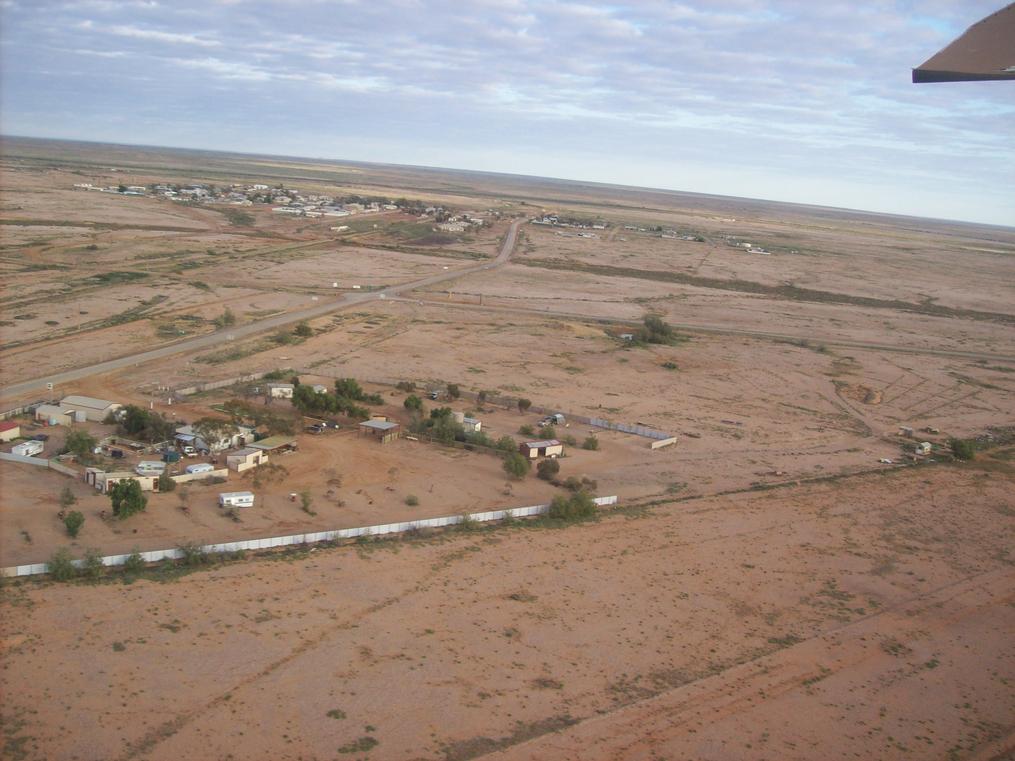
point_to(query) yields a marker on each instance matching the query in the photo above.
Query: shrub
(570, 440)
(134, 562)
(453, 391)
(524, 404)
(579, 507)
(506, 444)
(405, 386)
(93, 566)
(61, 565)
(191, 554)
(962, 449)
(526, 430)
(547, 469)
(412, 500)
(515, 465)
(413, 403)
(303, 330)
(591, 443)
(67, 497)
(73, 522)
(548, 432)
(166, 482)
(226, 319)
(305, 503)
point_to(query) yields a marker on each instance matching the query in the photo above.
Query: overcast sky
(793, 100)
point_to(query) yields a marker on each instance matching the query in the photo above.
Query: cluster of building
(553, 220)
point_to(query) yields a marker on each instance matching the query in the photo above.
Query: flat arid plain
(788, 579)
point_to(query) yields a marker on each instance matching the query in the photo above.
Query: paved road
(726, 331)
(250, 329)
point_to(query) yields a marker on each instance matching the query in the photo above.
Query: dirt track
(254, 328)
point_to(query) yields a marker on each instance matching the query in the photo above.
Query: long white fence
(315, 537)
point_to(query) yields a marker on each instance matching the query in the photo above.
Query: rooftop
(87, 401)
(379, 425)
(274, 442)
(8, 425)
(542, 444)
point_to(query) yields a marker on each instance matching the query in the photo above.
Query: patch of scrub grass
(336, 713)
(362, 745)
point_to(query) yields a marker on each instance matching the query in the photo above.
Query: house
(236, 499)
(94, 409)
(9, 430)
(245, 459)
(51, 414)
(385, 430)
(544, 448)
(240, 436)
(28, 448)
(103, 481)
(280, 390)
(275, 444)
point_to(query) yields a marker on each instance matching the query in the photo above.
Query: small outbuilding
(384, 430)
(923, 447)
(280, 390)
(104, 481)
(245, 459)
(94, 409)
(9, 430)
(543, 448)
(28, 448)
(275, 444)
(469, 424)
(51, 414)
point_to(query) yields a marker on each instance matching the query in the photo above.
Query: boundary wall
(153, 556)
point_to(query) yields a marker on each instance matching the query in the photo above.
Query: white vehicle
(200, 467)
(150, 468)
(28, 448)
(236, 499)
(189, 451)
(885, 461)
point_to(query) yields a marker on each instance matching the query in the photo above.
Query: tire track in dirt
(628, 731)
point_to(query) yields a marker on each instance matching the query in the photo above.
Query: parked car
(885, 461)
(189, 451)
(116, 454)
(40, 437)
(315, 429)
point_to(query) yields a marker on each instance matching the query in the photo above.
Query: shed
(469, 424)
(319, 388)
(277, 444)
(280, 390)
(923, 447)
(103, 481)
(245, 459)
(54, 415)
(94, 409)
(543, 448)
(385, 430)
(9, 430)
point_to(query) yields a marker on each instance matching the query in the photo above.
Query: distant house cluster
(555, 220)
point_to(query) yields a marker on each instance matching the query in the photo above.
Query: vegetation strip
(788, 292)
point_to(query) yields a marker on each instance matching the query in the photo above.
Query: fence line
(315, 537)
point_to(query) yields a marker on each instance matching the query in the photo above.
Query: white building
(236, 499)
(95, 409)
(280, 390)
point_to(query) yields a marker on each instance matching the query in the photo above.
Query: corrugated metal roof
(274, 442)
(986, 51)
(542, 444)
(87, 401)
(7, 425)
(379, 425)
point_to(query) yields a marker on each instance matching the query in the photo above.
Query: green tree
(579, 506)
(962, 449)
(213, 430)
(80, 443)
(413, 403)
(453, 391)
(226, 319)
(134, 562)
(591, 443)
(166, 482)
(516, 465)
(303, 330)
(524, 404)
(547, 469)
(127, 498)
(506, 444)
(73, 522)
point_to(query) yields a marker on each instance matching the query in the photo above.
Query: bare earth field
(870, 618)
(767, 589)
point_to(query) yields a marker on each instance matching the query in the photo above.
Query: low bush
(547, 469)
(412, 500)
(93, 567)
(73, 522)
(61, 565)
(591, 443)
(580, 506)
